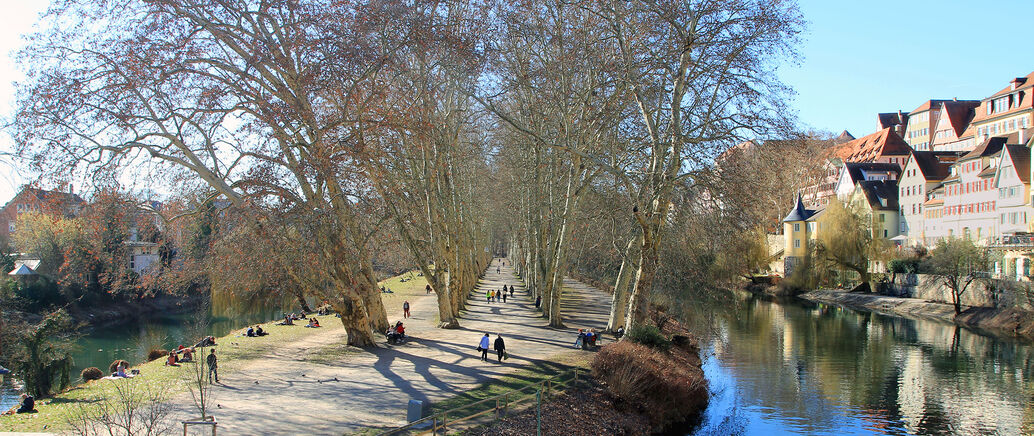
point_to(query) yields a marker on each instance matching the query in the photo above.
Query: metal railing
(498, 406)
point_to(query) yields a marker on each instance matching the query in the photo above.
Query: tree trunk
(301, 301)
(355, 320)
(372, 299)
(639, 301)
(619, 301)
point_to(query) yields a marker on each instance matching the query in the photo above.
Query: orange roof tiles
(872, 147)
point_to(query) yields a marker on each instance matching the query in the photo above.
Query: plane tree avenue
(451, 126)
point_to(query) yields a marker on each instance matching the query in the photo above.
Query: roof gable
(872, 147)
(934, 165)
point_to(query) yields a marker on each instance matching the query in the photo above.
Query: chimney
(1022, 138)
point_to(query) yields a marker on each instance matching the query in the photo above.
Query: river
(805, 368)
(99, 347)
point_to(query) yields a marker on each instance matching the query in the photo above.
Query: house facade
(30, 199)
(1006, 111)
(924, 171)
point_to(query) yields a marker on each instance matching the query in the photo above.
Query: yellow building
(800, 227)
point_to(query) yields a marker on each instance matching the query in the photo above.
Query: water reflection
(819, 369)
(130, 341)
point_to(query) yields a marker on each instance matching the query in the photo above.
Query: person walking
(428, 288)
(405, 309)
(488, 296)
(504, 296)
(504, 289)
(538, 301)
(511, 291)
(500, 347)
(484, 347)
(213, 366)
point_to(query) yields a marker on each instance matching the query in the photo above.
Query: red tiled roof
(869, 148)
(935, 165)
(960, 113)
(1025, 93)
(927, 105)
(1020, 156)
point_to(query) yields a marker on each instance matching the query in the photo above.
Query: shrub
(670, 388)
(156, 353)
(114, 365)
(91, 373)
(904, 266)
(650, 336)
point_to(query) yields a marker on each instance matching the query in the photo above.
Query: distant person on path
(504, 296)
(511, 291)
(488, 296)
(504, 289)
(428, 288)
(213, 367)
(484, 347)
(405, 309)
(497, 270)
(500, 348)
(538, 301)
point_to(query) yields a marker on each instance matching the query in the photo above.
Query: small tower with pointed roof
(797, 234)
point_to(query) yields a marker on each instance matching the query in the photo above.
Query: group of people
(586, 339)
(180, 355)
(254, 332)
(495, 295)
(313, 323)
(499, 346)
(396, 334)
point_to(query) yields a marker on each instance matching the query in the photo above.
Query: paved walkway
(302, 387)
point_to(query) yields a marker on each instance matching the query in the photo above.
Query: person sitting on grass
(259, 331)
(28, 404)
(251, 332)
(171, 361)
(121, 371)
(287, 321)
(188, 355)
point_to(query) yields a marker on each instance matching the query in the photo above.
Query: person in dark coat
(500, 347)
(28, 404)
(511, 291)
(538, 300)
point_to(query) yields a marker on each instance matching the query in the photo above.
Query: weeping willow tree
(41, 355)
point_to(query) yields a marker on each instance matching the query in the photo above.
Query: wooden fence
(496, 407)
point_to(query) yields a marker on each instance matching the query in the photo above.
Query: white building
(924, 171)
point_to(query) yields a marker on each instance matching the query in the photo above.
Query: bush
(650, 336)
(156, 353)
(670, 388)
(91, 373)
(114, 365)
(904, 266)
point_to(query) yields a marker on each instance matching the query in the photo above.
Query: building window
(796, 227)
(885, 233)
(796, 243)
(10, 227)
(883, 218)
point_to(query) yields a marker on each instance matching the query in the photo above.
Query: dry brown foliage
(669, 387)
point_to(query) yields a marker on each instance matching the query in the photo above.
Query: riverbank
(1004, 322)
(236, 353)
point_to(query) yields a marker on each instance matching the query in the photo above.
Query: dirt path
(319, 386)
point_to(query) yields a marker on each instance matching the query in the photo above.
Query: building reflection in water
(813, 368)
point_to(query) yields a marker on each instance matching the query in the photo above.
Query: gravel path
(319, 386)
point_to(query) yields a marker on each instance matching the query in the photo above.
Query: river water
(805, 368)
(98, 347)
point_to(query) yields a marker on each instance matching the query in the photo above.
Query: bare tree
(958, 263)
(266, 102)
(130, 409)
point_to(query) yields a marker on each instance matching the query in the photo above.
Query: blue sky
(859, 58)
(866, 57)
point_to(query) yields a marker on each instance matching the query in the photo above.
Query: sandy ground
(319, 386)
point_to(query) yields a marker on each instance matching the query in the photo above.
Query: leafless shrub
(130, 408)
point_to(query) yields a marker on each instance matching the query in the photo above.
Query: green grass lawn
(234, 352)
